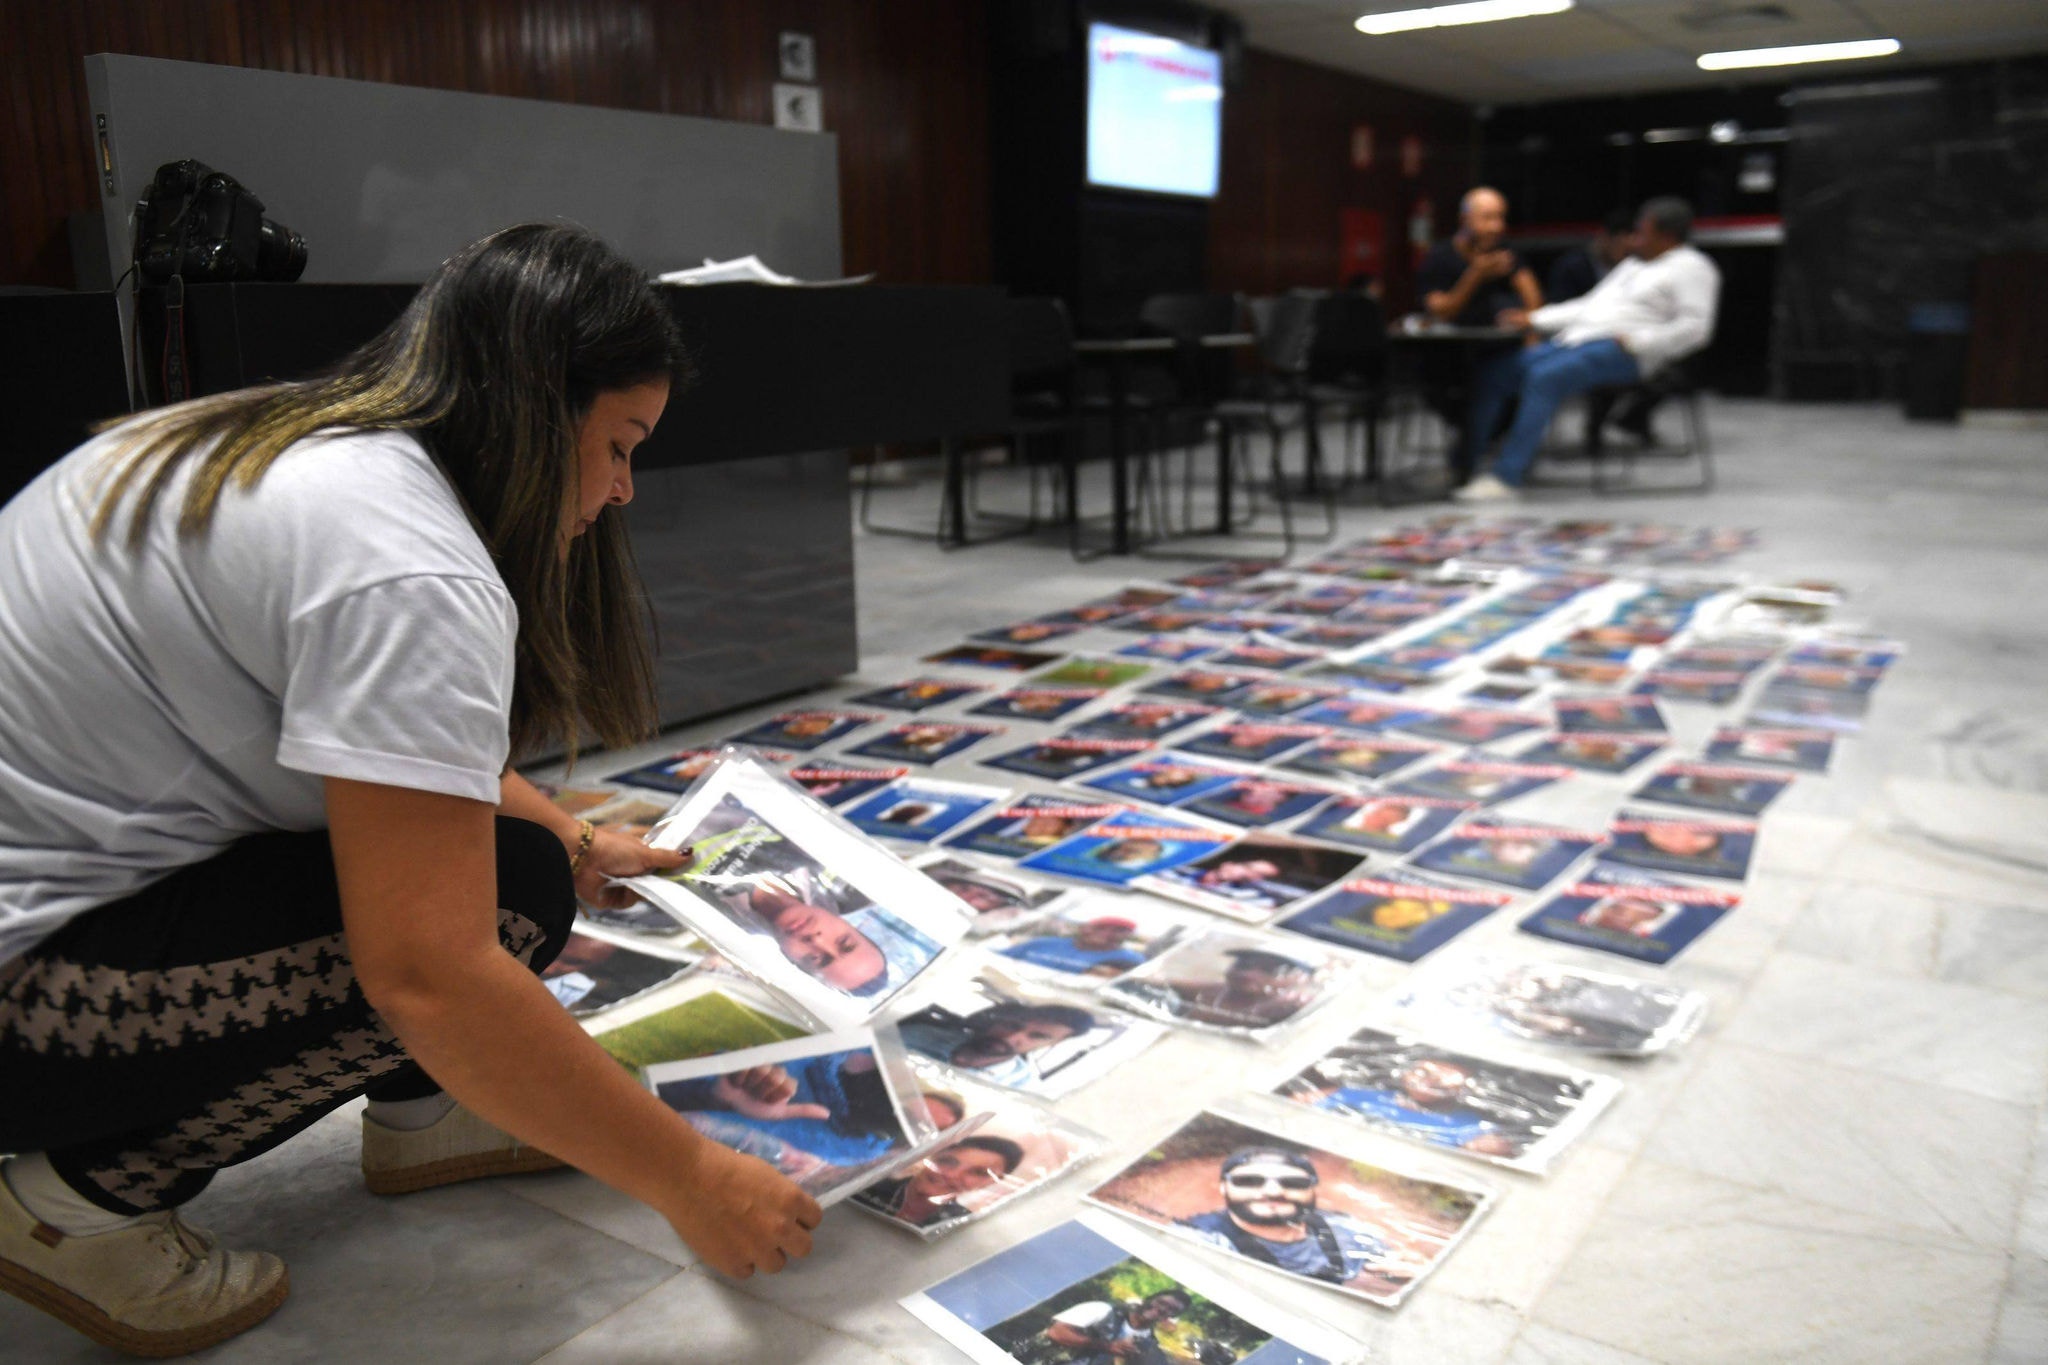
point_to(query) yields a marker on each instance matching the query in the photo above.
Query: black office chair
(1277, 400)
(1347, 368)
(1677, 383)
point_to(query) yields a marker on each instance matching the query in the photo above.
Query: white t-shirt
(1664, 309)
(340, 619)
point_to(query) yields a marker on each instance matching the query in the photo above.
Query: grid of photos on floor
(926, 909)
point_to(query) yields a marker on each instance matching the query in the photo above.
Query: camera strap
(174, 375)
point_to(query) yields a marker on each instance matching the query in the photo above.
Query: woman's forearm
(520, 799)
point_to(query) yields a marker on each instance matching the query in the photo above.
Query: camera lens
(280, 252)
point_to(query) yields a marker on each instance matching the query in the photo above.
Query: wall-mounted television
(1155, 113)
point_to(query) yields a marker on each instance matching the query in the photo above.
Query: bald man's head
(1483, 215)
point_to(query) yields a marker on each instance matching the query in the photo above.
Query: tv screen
(1155, 113)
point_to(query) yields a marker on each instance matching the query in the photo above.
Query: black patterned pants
(215, 1013)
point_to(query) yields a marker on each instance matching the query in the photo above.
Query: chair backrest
(1287, 331)
(1186, 316)
(1351, 338)
(1041, 342)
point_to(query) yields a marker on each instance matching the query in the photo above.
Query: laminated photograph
(1593, 753)
(924, 741)
(702, 1016)
(1058, 757)
(1839, 650)
(1693, 846)
(1096, 613)
(1095, 1291)
(804, 729)
(1473, 725)
(1122, 848)
(838, 784)
(1271, 700)
(1172, 649)
(792, 894)
(1246, 1191)
(1135, 597)
(1358, 758)
(832, 1111)
(1019, 1149)
(1359, 716)
(1821, 677)
(1200, 684)
(1036, 703)
(1520, 1113)
(676, 772)
(1640, 915)
(1001, 901)
(1506, 852)
(1037, 1042)
(1609, 715)
(1330, 637)
(1370, 675)
(1026, 632)
(1030, 824)
(1502, 693)
(1711, 787)
(1164, 621)
(1253, 878)
(1273, 658)
(1787, 704)
(1084, 945)
(1804, 749)
(1402, 914)
(631, 812)
(1384, 824)
(1084, 672)
(921, 810)
(992, 656)
(918, 694)
(1163, 779)
(1543, 1002)
(1228, 981)
(1251, 741)
(1692, 685)
(592, 974)
(1256, 802)
(1147, 720)
(1485, 781)
(576, 800)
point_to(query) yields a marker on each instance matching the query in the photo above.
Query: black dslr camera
(199, 223)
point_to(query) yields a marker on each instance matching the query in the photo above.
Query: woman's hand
(619, 852)
(741, 1216)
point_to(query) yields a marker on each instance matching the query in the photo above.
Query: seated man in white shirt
(1647, 312)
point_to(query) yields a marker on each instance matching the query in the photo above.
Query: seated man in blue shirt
(1269, 1214)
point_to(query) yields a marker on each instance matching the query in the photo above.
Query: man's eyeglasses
(1254, 1180)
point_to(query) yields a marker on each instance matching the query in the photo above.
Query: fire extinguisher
(1421, 227)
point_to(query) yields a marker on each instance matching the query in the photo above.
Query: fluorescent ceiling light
(1793, 56)
(1445, 16)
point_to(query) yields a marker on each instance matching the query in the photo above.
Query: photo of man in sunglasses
(1269, 1214)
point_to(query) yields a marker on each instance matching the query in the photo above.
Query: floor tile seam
(830, 1329)
(590, 1327)
(2005, 1293)
(508, 1187)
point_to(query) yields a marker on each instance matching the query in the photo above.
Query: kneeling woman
(266, 657)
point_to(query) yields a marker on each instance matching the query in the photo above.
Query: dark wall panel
(903, 81)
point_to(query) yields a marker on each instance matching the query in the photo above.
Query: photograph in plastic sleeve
(1827, 677)
(920, 810)
(1802, 750)
(1330, 637)
(1403, 915)
(1086, 944)
(1273, 658)
(1249, 985)
(1001, 901)
(1784, 704)
(1473, 725)
(1384, 824)
(804, 730)
(1508, 853)
(1094, 613)
(1251, 741)
(1199, 684)
(1061, 756)
(1544, 1002)
(676, 772)
(576, 800)
(826, 1111)
(798, 899)
(1164, 621)
(1253, 878)
(924, 742)
(1358, 758)
(1848, 651)
(1148, 720)
(839, 784)
(1163, 779)
(1609, 716)
(1741, 655)
(918, 694)
(1693, 846)
(1272, 700)
(992, 656)
(1172, 649)
(1502, 693)
(1358, 716)
(1484, 781)
(1085, 672)
(1272, 1201)
(1640, 915)
(1122, 848)
(1690, 685)
(1521, 1114)
(1094, 1291)
(631, 812)
(1136, 597)
(1026, 632)
(1256, 802)
(1031, 824)
(1036, 703)
(1036, 1043)
(591, 974)
(709, 1022)
(1019, 1148)
(1709, 787)
(1593, 753)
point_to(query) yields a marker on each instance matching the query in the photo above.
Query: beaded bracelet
(582, 847)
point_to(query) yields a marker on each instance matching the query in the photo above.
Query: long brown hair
(492, 368)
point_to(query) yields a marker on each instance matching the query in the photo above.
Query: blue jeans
(1543, 377)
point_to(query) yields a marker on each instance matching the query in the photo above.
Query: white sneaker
(153, 1287)
(1486, 488)
(457, 1146)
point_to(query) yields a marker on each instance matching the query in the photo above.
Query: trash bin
(1937, 349)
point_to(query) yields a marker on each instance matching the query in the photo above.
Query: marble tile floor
(1848, 1164)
